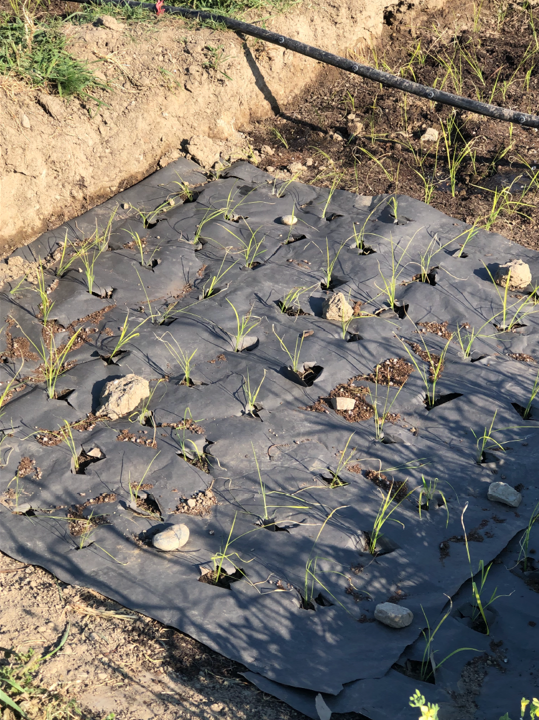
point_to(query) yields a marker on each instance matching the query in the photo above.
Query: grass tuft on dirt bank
(37, 55)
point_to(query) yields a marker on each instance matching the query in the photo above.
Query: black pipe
(365, 71)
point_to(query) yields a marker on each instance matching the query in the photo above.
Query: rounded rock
(392, 615)
(289, 220)
(171, 539)
(518, 273)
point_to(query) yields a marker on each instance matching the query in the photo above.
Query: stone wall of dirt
(173, 89)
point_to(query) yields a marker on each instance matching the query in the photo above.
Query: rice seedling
(310, 565)
(290, 304)
(209, 215)
(283, 187)
(391, 176)
(126, 336)
(359, 237)
(262, 485)
(183, 358)
(429, 666)
(224, 556)
(139, 243)
(210, 287)
(144, 416)
(344, 459)
(469, 235)
(250, 248)
(513, 314)
(381, 413)
(465, 336)
(533, 395)
(477, 588)
(66, 262)
(525, 539)
(134, 489)
(67, 436)
(7, 392)
(90, 253)
(330, 266)
(46, 304)
(486, 442)
(384, 514)
(294, 356)
(431, 374)
(334, 185)
(244, 325)
(428, 491)
(53, 359)
(251, 394)
(389, 282)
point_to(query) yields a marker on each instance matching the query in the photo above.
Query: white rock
(296, 168)
(266, 150)
(25, 122)
(171, 539)
(337, 308)
(270, 169)
(120, 397)
(503, 493)
(354, 127)
(519, 278)
(309, 162)
(289, 220)
(343, 403)
(393, 615)
(430, 135)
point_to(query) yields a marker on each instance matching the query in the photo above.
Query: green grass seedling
(381, 415)
(427, 492)
(431, 374)
(512, 314)
(344, 459)
(244, 325)
(46, 304)
(334, 185)
(91, 251)
(135, 489)
(294, 357)
(477, 589)
(210, 287)
(359, 237)
(183, 359)
(67, 435)
(251, 394)
(486, 441)
(534, 392)
(262, 485)
(126, 335)
(290, 302)
(209, 215)
(525, 539)
(330, 265)
(249, 249)
(53, 359)
(280, 137)
(385, 511)
(428, 664)
(388, 288)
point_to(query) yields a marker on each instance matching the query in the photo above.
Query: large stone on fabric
(171, 539)
(336, 307)
(519, 275)
(503, 493)
(122, 396)
(393, 615)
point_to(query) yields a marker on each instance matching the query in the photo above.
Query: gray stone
(393, 615)
(503, 493)
(120, 397)
(336, 307)
(171, 539)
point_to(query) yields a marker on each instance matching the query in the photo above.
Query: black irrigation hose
(365, 71)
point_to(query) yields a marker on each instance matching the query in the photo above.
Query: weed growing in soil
(19, 683)
(36, 53)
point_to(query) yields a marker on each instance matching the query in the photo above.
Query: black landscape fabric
(282, 493)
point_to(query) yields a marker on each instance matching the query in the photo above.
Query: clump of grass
(126, 335)
(294, 356)
(36, 53)
(251, 393)
(385, 511)
(53, 359)
(183, 358)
